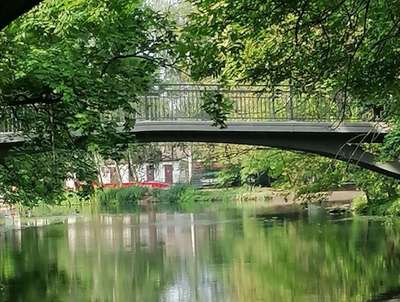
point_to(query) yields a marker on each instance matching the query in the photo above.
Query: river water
(210, 255)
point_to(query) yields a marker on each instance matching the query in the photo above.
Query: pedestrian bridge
(281, 117)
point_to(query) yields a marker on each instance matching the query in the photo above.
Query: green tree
(345, 49)
(65, 68)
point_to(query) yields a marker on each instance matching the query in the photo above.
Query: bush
(229, 176)
(122, 195)
(360, 204)
(186, 194)
(171, 195)
(193, 195)
(394, 209)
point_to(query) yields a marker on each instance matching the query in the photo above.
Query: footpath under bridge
(281, 117)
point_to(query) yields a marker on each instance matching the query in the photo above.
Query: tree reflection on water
(213, 256)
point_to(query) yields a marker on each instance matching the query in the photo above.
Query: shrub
(122, 195)
(360, 204)
(171, 195)
(229, 176)
(394, 208)
(186, 194)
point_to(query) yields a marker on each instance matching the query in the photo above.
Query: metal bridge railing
(250, 103)
(171, 102)
(8, 122)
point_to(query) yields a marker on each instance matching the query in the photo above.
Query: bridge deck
(281, 117)
(355, 131)
(323, 138)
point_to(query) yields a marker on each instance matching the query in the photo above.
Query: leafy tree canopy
(65, 67)
(348, 49)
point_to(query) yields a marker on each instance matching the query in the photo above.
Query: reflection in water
(224, 256)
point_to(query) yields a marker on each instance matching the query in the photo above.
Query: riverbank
(71, 204)
(185, 198)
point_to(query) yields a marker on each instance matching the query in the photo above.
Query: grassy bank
(176, 194)
(122, 196)
(117, 199)
(182, 197)
(71, 204)
(182, 194)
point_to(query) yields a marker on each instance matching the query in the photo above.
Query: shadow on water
(391, 295)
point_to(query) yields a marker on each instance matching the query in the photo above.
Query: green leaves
(269, 162)
(39, 177)
(54, 59)
(217, 106)
(346, 52)
(348, 47)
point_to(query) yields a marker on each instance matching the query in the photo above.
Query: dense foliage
(346, 51)
(218, 107)
(121, 196)
(65, 67)
(300, 173)
(346, 45)
(68, 65)
(303, 173)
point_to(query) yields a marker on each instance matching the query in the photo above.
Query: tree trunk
(98, 168)
(119, 174)
(131, 169)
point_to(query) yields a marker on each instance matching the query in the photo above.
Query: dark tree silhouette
(12, 9)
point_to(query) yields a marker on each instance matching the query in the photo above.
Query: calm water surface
(230, 255)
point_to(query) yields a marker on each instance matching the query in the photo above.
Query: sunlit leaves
(60, 61)
(347, 46)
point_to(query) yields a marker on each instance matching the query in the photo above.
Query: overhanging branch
(159, 61)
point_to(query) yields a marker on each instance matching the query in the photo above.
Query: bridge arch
(279, 117)
(342, 143)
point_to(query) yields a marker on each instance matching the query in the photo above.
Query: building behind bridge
(175, 166)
